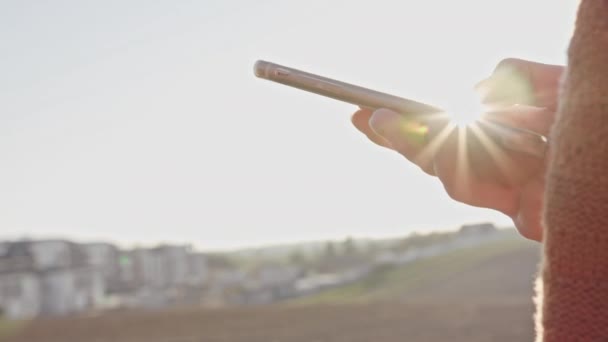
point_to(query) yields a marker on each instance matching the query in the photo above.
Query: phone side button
(281, 72)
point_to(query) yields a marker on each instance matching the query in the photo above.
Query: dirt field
(482, 295)
(348, 323)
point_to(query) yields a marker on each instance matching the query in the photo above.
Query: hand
(472, 168)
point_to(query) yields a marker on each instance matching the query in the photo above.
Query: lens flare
(414, 130)
(465, 109)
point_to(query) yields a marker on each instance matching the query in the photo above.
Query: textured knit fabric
(575, 269)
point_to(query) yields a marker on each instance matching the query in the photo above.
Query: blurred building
(50, 277)
(270, 282)
(168, 266)
(161, 276)
(105, 257)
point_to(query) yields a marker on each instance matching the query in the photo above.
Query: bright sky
(141, 121)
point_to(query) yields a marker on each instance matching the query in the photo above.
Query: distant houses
(47, 278)
(271, 282)
(480, 229)
(57, 277)
(161, 276)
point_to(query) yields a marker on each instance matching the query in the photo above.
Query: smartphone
(515, 139)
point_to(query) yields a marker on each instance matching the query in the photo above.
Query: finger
(404, 135)
(535, 119)
(488, 162)
(529, 217)
(493, 162)
(526, 151)
(360, 120)
(522, 82)
(453, 167)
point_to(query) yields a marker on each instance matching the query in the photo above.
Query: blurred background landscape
(473, 284)
(152, 189)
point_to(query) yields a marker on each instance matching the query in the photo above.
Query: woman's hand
(472, 168)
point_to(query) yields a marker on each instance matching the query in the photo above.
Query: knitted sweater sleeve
(575, 268)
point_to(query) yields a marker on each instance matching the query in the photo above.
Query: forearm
(575, 270)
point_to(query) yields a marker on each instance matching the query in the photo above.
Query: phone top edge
(338, 90)
(260, 68)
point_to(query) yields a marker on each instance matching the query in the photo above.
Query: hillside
(497, 271)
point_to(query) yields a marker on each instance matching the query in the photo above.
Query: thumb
(406, 136)
(517, 81)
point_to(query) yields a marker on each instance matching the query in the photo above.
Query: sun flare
(465, 109)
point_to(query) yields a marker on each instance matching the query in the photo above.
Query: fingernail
(396, 129)
(385, 122)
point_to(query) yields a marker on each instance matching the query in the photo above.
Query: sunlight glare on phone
(465, 109)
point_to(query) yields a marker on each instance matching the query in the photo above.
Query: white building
(71, 290)
(166, 267)
(20, 294)
(47, 278)
(198, 270)
(106, 257)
